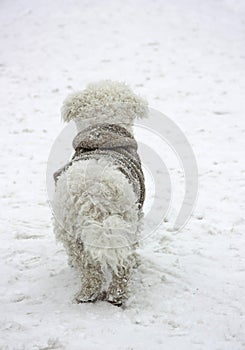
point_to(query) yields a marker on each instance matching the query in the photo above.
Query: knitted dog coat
(117, 145)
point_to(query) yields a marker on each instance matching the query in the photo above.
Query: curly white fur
(95, 204)
(105, 102)
(96, 215)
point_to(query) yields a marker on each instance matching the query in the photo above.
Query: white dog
(100, 192)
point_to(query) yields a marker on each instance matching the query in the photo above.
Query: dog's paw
(115, 302)
(85, 298)
(117, 298)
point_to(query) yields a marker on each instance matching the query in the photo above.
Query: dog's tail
(96, 206)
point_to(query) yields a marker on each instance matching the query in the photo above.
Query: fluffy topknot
(104, 102)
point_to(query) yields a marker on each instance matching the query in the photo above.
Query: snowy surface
(187, 58)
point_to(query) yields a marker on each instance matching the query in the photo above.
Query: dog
(99, 194)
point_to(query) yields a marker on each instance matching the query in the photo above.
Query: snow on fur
(104, 101)
(95, 203)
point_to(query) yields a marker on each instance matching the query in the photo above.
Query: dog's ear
(105, 101)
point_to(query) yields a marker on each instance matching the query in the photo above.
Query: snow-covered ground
(187, 58)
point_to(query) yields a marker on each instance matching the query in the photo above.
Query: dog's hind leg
(92, 280)
(117, 291)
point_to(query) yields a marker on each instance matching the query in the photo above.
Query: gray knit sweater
(117, 145)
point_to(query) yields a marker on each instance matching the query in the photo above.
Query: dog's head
(104, 102)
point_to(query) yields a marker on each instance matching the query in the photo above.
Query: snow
(188, 59)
